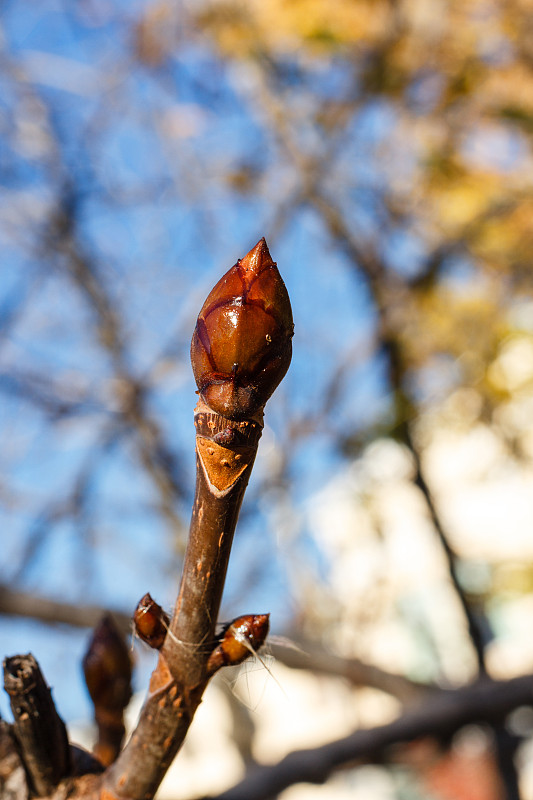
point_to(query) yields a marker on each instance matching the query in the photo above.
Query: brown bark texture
(38, 730)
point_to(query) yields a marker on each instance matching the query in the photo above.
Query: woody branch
(240, 351)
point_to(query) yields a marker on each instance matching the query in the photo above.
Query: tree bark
(178, 682)
(38, 729)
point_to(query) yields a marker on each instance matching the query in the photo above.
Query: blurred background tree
(385, 151)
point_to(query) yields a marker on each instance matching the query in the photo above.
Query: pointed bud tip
(257, 258)
(261, 623)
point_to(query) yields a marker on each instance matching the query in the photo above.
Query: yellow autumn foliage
(455, 321)
(240, 28)
(506, 239)
(457, 203)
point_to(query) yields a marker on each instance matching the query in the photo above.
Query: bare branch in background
(439, 717)
(156, 458)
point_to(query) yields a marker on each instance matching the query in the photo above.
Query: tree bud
(107, 667)
(240, 639)
(241, 346)
(151, 622)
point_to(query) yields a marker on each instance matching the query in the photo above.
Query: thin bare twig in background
(484, 701)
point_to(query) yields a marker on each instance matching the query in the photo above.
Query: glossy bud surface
(240, 639)
(241, 346)
(151, 622)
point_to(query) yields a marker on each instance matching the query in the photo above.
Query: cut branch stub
(39, 730)
(241, 346)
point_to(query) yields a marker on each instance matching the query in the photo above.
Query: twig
(309, 657)
(13, 782)
(237, 365)
(241, 350)
(442, 715)
(155, 457)
(26, 604)
(383, 287)
(179, 679)
(474, 628)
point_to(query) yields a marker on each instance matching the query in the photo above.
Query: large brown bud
(241, 347)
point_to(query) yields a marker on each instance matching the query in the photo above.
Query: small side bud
(151, 622)
(240, 639)
(241, 347)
